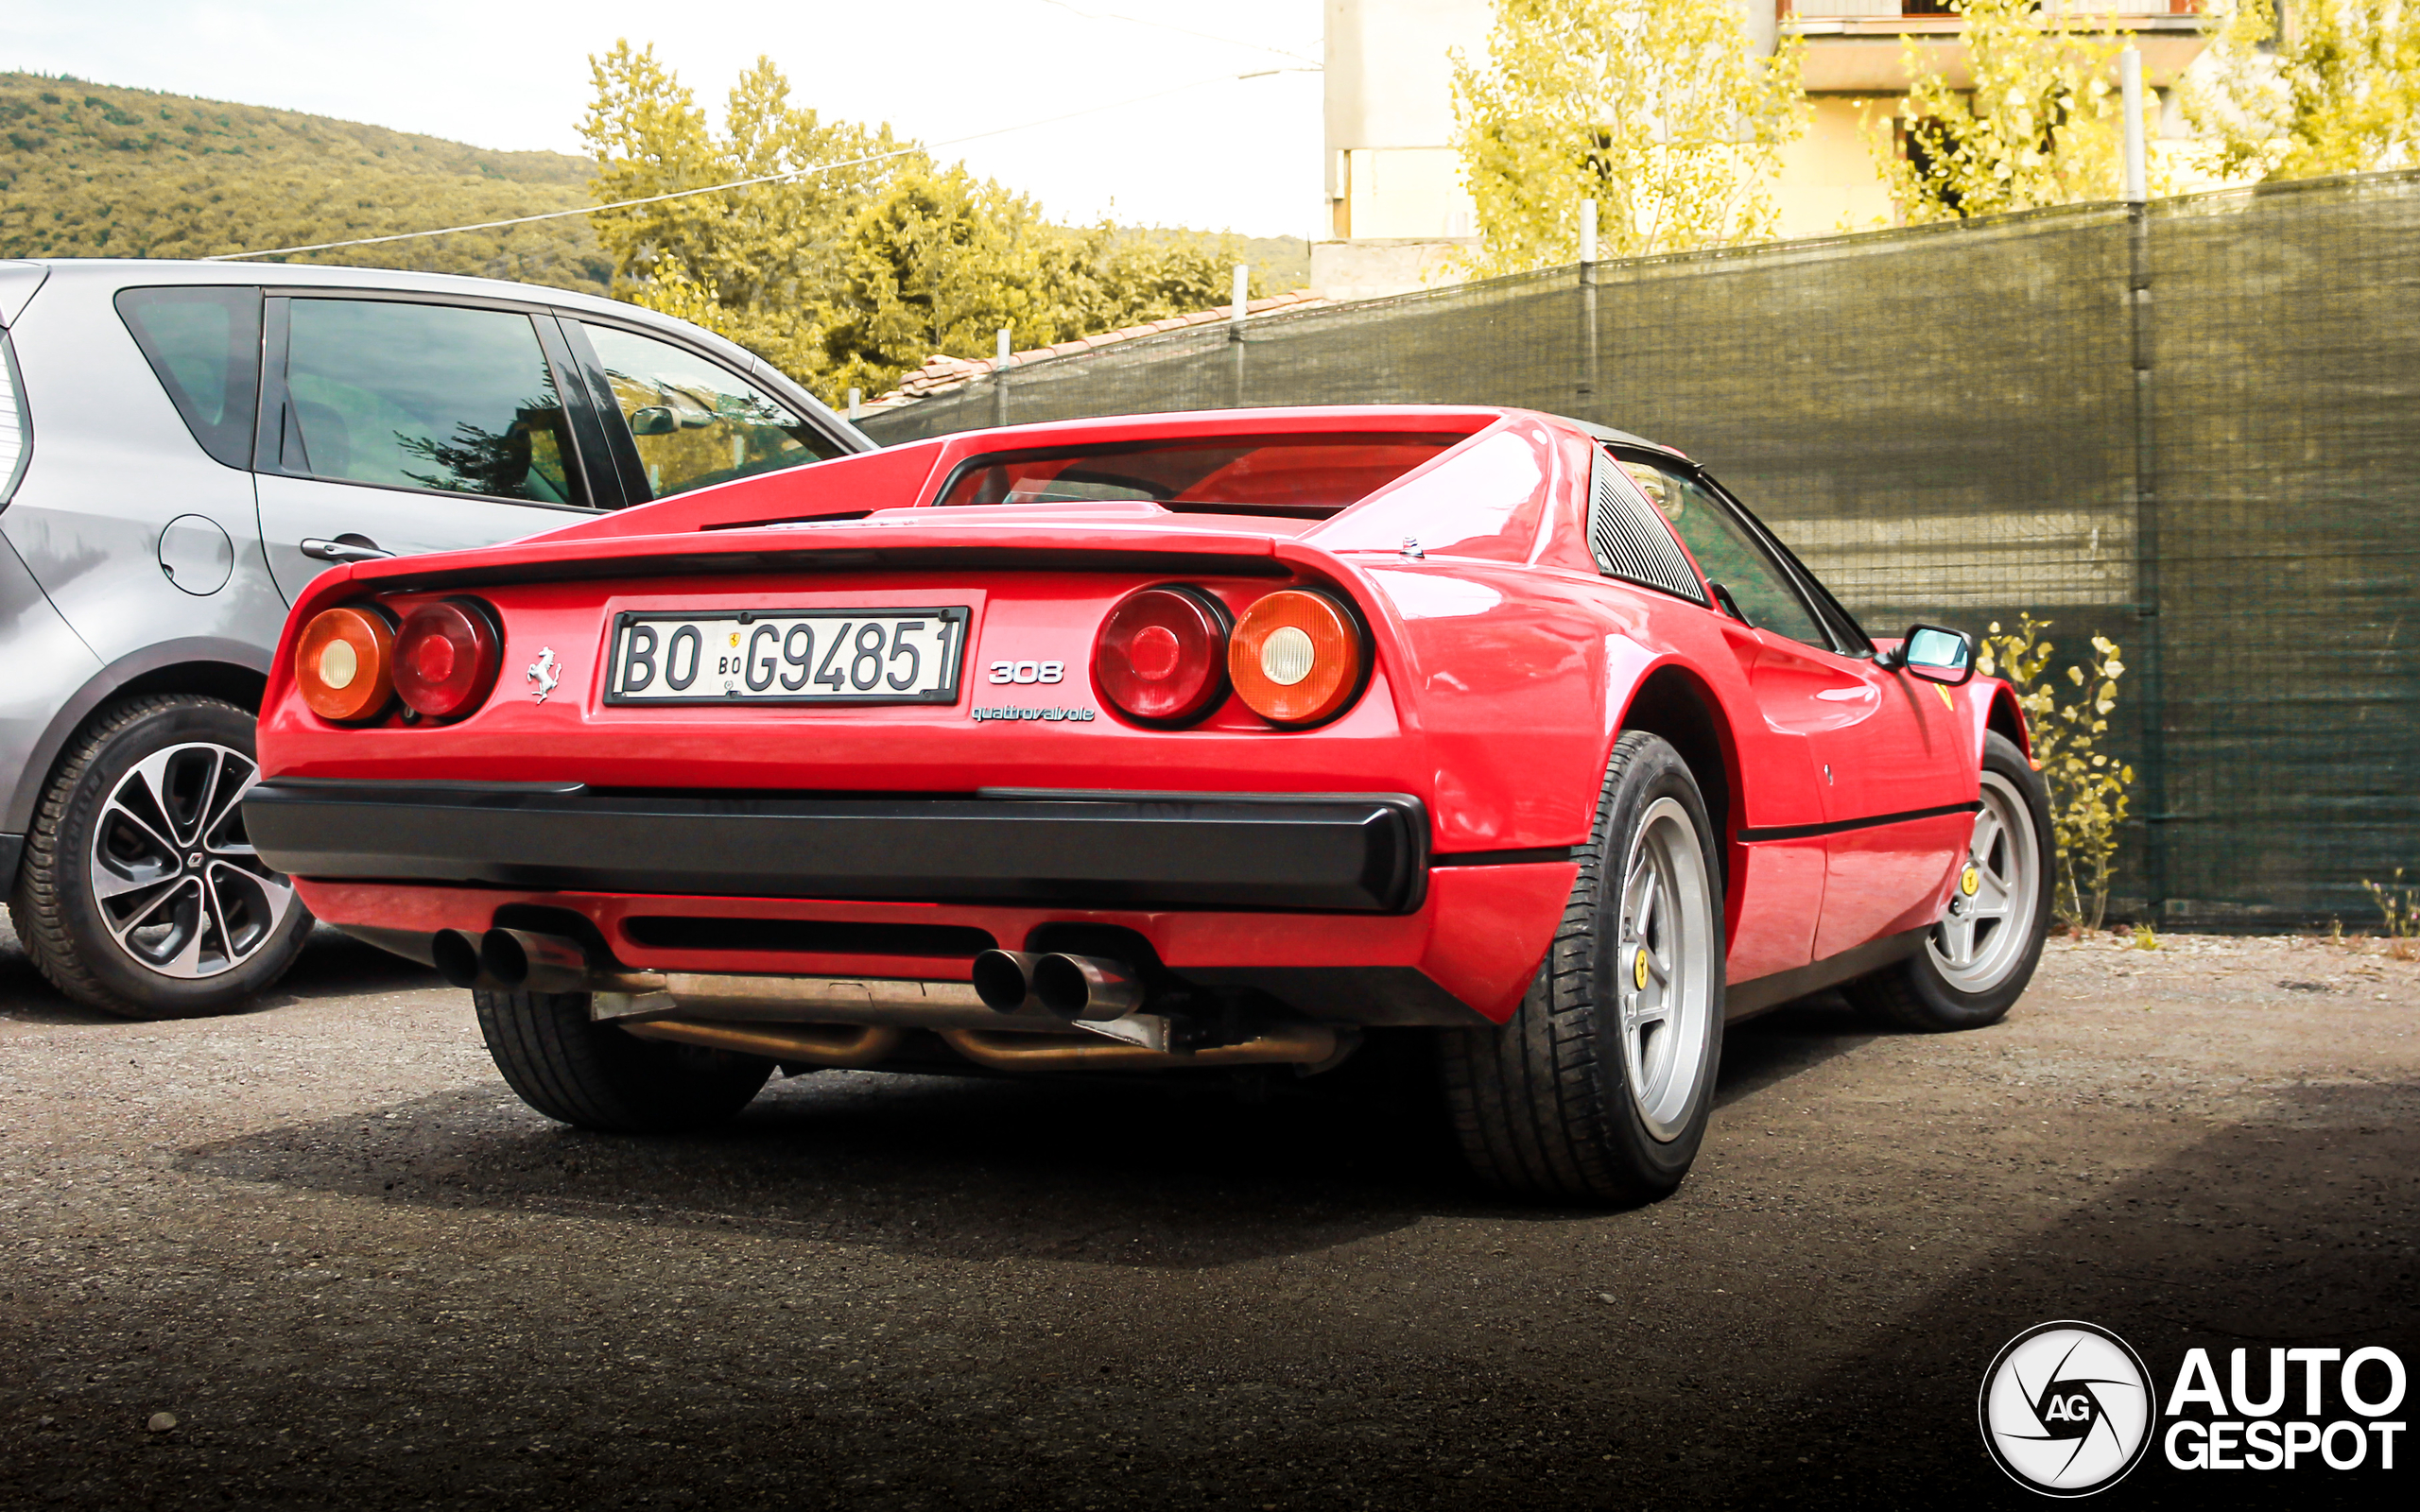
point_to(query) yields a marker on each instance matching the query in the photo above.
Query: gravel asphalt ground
(355, 1272)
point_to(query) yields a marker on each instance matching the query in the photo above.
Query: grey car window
(204, 346)
(425, 396)
(696, 422)
(1730, 555)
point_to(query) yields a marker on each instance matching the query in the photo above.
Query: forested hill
(90, 170)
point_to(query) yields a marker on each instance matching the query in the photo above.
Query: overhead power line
(746, 183)
(1182, 32)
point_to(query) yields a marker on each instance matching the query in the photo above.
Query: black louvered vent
(1631, 541)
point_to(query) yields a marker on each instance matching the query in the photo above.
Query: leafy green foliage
(875, 257)
(2087, 786)
(2339, 94)
(1658, 110)
(2043, 125)
(91, 170)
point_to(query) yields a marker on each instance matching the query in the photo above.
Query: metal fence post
(2130, 87)
(1236, 314)
(1000, 378)
(1587, 384)
(2147, 536)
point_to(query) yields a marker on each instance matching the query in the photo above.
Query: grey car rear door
(392, 426)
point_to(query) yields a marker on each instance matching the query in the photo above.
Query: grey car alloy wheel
(179, 888)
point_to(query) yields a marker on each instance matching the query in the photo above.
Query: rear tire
(1976, 962)
(140, 894)
(1598, 1088)
(593, 1075)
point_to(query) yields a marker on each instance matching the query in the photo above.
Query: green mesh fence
(2193, 429)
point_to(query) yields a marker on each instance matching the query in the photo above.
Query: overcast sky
(1229, 154)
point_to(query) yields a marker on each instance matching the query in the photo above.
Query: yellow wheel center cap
(1970, 880)
(1638, 970)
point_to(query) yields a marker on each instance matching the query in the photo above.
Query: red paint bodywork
(1505, 667)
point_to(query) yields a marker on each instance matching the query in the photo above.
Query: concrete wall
(1391, 174)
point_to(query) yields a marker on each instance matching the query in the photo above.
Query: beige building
(1398, 216)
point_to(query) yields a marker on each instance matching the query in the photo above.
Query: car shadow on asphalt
(1141, 1173)
(332, 965)
(1791, 1039)
(2291, 1229)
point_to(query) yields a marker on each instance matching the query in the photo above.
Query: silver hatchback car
(183, 446)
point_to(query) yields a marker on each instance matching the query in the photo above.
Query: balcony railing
(1896, 10)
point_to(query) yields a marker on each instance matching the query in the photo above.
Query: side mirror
(1936, 655)
(655, 419)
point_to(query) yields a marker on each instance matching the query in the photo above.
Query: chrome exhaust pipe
(1086, 986)
(1004, 980)
(633, 997)
(519, 960)
(1312, 1046)
(810, 1044)
(456, 955)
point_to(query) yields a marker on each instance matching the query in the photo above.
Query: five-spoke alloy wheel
(139, 893)
(1977, 959)
(1993, 911)
(1663, 966)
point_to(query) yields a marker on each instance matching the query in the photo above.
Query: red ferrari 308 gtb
(1176, 742)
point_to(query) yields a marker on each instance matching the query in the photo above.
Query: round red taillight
(1161, 654)
(342, 663)
(445, 659)
(1296, 656)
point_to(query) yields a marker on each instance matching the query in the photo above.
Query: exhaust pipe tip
(518, 959)
(456, 955)
(1000, 980)
(504, 958)
(1087, 987)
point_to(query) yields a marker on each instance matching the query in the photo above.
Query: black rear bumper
(1351, 852)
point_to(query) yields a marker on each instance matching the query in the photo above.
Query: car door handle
(344, 548)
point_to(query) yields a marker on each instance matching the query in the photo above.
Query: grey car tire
(593, 1075)
(1599, 1087)
(1976, 962)
(139, 894)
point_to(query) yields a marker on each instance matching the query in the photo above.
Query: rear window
(1305, 476)
(14, 431)
(204, 346)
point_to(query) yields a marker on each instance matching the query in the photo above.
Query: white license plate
(788, 656)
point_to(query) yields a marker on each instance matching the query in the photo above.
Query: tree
(756, 263)
(864, 258)
(938, 262)
(2339, 93)
(1658, 110)
(2042, 125)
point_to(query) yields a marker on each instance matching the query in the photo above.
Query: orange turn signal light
(345, 664)
(1296, 656)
